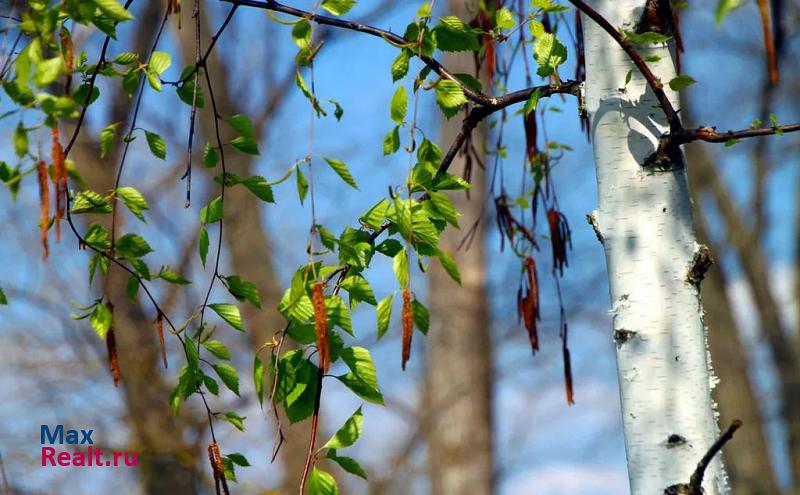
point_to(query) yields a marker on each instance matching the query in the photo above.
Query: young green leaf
(243, 290)
(349, 432)
(132, 246)
(218, 349)
(210, 156)
(172, 277)
(449, 265)
(421, 316)
(258, 379)
(453, 35)
(113, 10)
(228, 375)
(549, 53)
(3, 298)
(100, 319)
(320, 482)
(134, 200)
(400, 266)
(302, 185)
(363, 379)
(347, 463)
(212, 212)
(341, 169)
(384, 314)
(338, 7)
(450, 97)
(157, 144)
(400, 66)
(236, 420)
(159, 62)
(399, 105)
(680, 83)
(107, 138)
(391, 143)
(202, 245)
(229, 313)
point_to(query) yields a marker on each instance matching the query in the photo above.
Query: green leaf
(400, 66)
(210, 156)
(260, 187)
(212, 212)
(363, 379)
(172, 277)
(374, 216)
(229, 313)
(384, 313)
(445, 207)
(504, 19)
(338, 314)
(218, 349)
(242, 124)
(338, 111)
(349, 432)
(107, 138)
(20, 140)
(421, 316)
(238, 459)
(450, 97)
(532, 101)
(134, 200)
(132, 288)
(453, 35)
(302, 185)
(157, 144)
(228, 375)
(399, 105)
(338, 7)
(400, 266)
(725, 7)
(88, 201)
(647, 38)
(389, 247)
(341, 169)
(347, 463)
(159, 62)
(680, 83)
(236, 420)
(246, 145)
(320, 482)
(391, 143)
(549, 53)
(113, 10)
(100, 319)
(359, 290)
(243, 290)
(132, 246)
(202, 245)
(47, 71)
(3, 298)
(126, 58)
(449, 265)
(258, 379)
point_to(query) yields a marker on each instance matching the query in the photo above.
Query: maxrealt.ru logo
(73, 455)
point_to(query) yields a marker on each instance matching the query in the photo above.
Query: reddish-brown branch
(710, 134)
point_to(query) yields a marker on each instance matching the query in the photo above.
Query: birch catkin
(44, 205)
(408, 326)
(321, 326)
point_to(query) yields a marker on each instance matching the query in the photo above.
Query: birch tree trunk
(645, 221)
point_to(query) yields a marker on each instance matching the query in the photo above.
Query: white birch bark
(645, 221)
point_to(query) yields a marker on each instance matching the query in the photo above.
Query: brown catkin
(218, 468)
(408, 326)
(321, 325)
(69, 59)
(111, 346)
(44, 205)
(160, 330)
(60, 180)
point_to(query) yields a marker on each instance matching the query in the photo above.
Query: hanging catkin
(321, 326)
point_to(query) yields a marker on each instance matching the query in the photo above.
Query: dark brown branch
(695, 485)
(710, 134)
(655, 84)
(473, 95)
